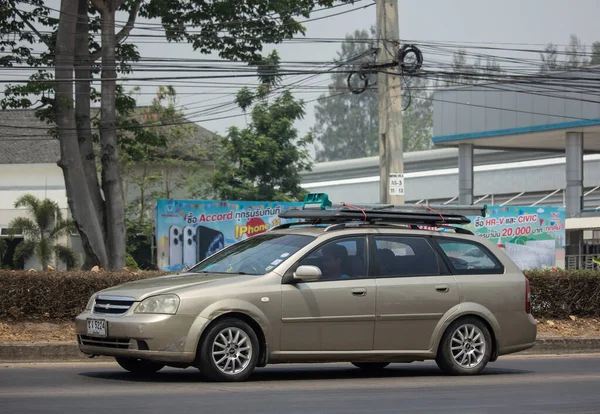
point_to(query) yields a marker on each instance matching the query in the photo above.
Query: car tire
(465, 348)
(139, 366)
(229, 351)
(371, 366)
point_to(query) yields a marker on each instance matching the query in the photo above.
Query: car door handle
(442, 288)
(359, 292)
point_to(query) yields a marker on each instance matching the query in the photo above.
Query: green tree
(463, 72)
(263, 161)
(235, 29)
(576, 56)
(42, 232)
(576, 53)
(166, 156)
(595, 60)
(549, 59)
(347, 124)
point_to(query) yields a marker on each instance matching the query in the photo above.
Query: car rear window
(468, 257)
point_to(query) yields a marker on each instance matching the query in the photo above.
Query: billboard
(188, 231)
(533, 237)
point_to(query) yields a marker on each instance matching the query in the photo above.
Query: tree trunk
(83, 74)
(78, 195)
(111, 167)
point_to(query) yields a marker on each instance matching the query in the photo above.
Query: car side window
(468, 257)
(339, 259)
(401, 256)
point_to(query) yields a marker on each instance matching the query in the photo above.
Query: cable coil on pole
(409, 59)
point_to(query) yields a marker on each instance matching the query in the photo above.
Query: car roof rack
(346, 214)
(414, 216)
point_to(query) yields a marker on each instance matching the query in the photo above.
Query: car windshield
(256, 255)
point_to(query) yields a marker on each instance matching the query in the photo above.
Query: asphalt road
(510, 385)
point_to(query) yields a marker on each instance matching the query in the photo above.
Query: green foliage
(163, 158)
(263, 161)
(575, 56)
(467, 73)
(235, 29)
(56, 295)
(64, 294)
(595, 60)
(42, 232)
(559, 294)
(130, 262)
(3, 248)
(19, 43)
(347, 125)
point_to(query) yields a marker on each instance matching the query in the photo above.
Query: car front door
(337, 312)
(414, 290)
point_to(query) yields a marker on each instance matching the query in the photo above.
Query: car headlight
(159, 304)
(90, 303)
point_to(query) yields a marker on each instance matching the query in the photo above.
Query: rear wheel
(371, 366)
(139, 366)
(229, 351)
(465, 348)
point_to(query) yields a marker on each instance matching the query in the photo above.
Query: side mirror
(307, 273)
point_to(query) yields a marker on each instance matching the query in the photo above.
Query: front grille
(115, 343)
(112, 305)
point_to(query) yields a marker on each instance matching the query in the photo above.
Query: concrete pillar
(574, 164)
(465, 174)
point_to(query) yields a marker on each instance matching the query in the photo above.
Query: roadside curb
(546, 346)
(48, 352)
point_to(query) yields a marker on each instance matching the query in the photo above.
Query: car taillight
(527, 296)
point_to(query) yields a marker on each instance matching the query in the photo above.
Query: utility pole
(391, 185)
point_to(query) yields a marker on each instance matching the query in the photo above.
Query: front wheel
(465, 348)
(139, 366)
(371, 366)
(229, 351)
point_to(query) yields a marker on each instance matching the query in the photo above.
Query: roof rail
(340, 226)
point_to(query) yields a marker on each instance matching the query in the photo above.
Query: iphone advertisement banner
(188, 231)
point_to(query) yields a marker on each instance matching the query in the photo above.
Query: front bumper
(164, 338)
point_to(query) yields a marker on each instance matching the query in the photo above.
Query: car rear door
(414, 290)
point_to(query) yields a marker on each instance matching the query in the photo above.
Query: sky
(531, 22)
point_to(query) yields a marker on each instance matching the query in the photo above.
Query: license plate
(96, 327)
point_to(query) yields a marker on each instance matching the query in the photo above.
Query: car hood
(141, 289)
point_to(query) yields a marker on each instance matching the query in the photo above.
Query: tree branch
(126, 30)
(99, 5)
(32, 27)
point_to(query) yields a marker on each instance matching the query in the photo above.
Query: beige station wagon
(365, 287)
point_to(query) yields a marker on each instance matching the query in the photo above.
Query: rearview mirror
(307, 273)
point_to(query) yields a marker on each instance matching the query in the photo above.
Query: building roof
(24, 139)
(521, 113)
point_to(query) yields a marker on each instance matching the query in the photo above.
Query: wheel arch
(469, 310)
(258, 330)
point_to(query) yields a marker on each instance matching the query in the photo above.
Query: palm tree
(42, 232)
(3, 248)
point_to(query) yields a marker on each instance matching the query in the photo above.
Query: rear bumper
(519, 335)
(165, 338)
(516, 348)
